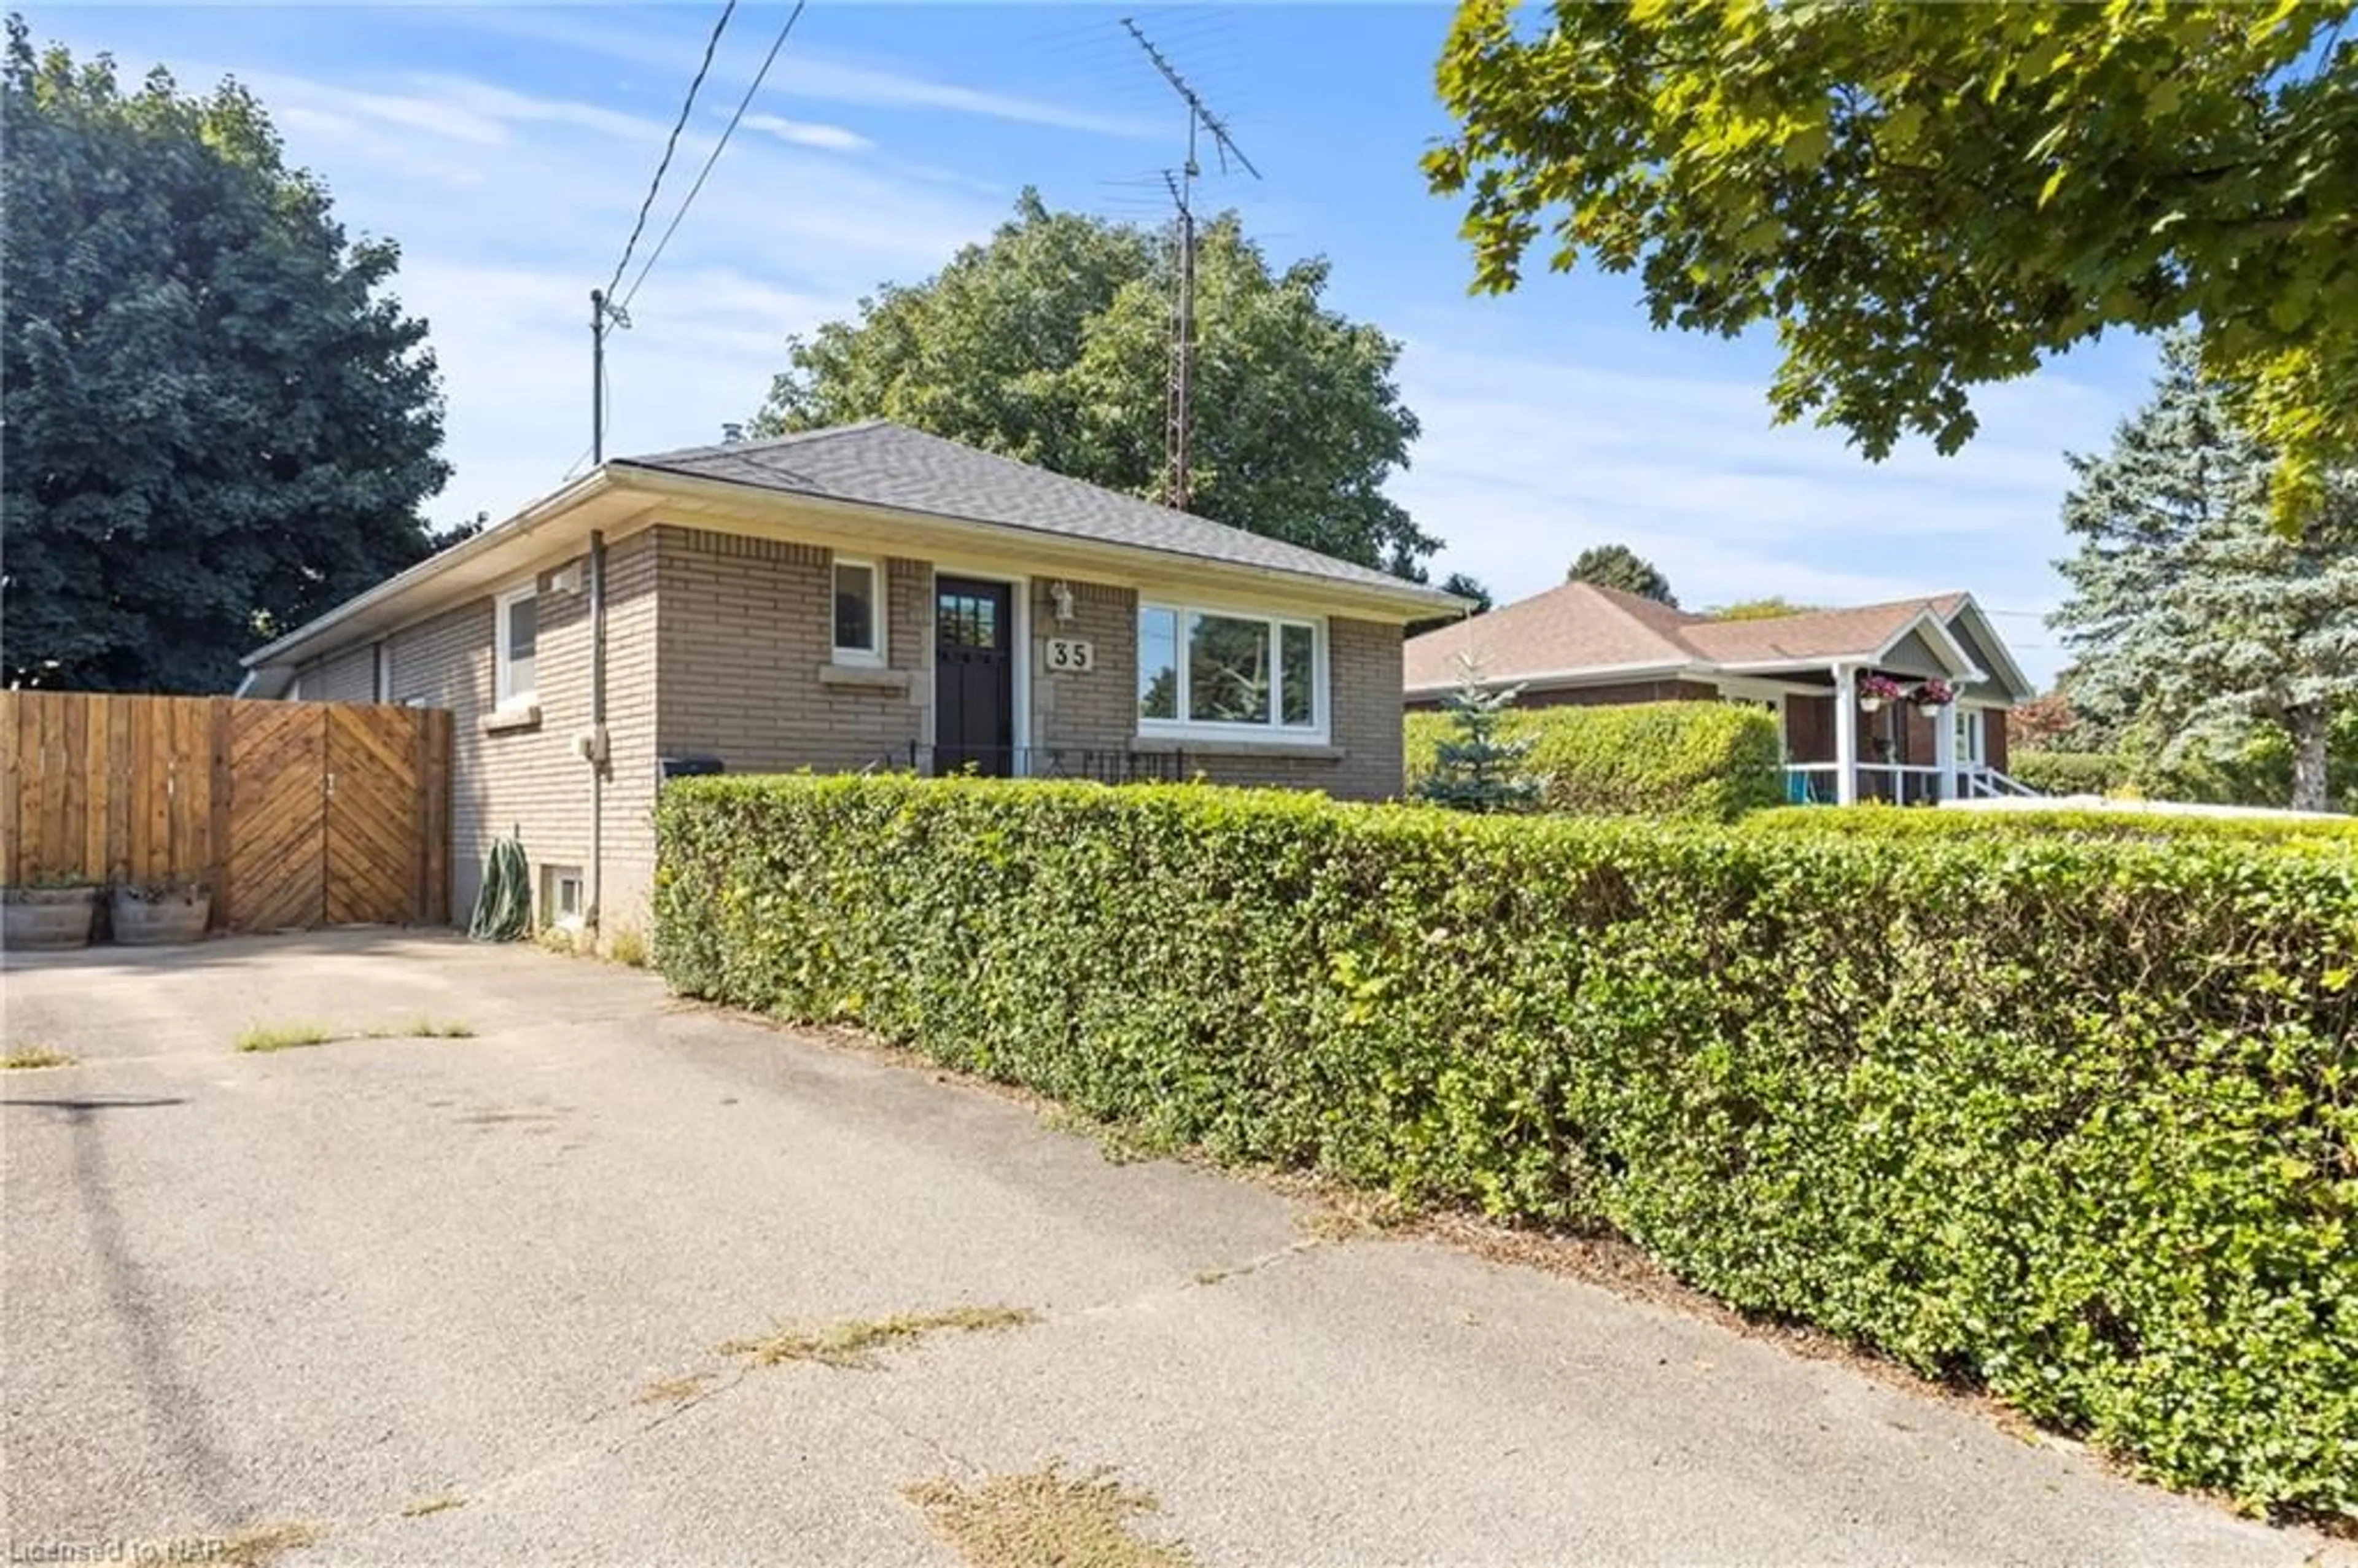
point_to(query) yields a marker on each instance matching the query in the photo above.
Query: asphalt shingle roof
(1582, 627)
(878, 463)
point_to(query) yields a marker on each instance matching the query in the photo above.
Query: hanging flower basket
(1873, 691)
(1934, 695)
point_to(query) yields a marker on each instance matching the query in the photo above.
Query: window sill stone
(1303, 751)
(503, 721)
(863, 678)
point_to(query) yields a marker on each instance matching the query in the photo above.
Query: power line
(714, 156)
(671, 143)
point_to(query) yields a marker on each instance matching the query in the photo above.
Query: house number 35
(1071, 653)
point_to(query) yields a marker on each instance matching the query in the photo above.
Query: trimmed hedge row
(2075, 1119)
(1707, 760)
(1915, 822)
(2075, 772)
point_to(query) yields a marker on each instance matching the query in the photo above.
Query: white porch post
(1945, 748)
(1845, 735)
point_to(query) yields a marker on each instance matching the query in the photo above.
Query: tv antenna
(1181, 184)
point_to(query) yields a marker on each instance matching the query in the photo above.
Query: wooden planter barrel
(149, 919)
(47, 919)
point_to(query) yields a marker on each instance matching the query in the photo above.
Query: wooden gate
(297, 814)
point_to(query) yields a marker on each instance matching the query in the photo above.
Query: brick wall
(744, 661)
(1096, 711)
(722, 645)
(348, 676)
(527, 778)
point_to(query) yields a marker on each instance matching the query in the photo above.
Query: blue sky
(506, 148)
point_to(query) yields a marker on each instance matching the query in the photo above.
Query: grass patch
(288, 1036)
(857, 1342)
(1045, 1517)
(673, 1390)
(422, 1029)
(440, 1503)
(284, 1036)
(26, 1058)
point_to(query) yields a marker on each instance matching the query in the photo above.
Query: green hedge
(1916, 822)
(2069, 1116)
(2075, 772)
(1708, 760)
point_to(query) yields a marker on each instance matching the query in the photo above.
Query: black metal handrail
(1102, 765)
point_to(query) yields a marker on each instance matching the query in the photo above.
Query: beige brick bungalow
(1853, 690)
(868, 596)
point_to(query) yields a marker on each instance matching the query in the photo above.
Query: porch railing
(1103, 765)
(1897, 783)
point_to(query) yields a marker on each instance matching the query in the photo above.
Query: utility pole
(1179, 392)
(601, 316)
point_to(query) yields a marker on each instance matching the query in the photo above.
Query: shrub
(2074, 772)
(1707, 760)
(1909, 822)
(2066, 1115)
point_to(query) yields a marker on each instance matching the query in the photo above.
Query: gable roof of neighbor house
(1581, 633)
(932, 491)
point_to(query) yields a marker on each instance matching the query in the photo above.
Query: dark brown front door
(974, 676)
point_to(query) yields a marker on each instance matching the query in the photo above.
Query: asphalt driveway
(459, 1300)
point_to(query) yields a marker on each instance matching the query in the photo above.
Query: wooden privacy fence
(295, 814)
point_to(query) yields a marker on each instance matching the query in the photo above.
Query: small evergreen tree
(1479, 768)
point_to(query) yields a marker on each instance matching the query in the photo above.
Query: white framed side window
(516, 637)
(858, 598)
(1213, 672)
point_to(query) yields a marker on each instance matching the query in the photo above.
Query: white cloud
(505, 228)
(808, 133)
(801, 72)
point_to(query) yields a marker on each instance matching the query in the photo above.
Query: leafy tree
(2192, 618)
(1619, 566)
(1479, 767)
(217, 425)
(1926, 199)
(1463, 586)
(2046, 723)
(1775, 607)
(1050, 343)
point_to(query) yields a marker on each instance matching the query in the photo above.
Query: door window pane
(1299, 687)
(1157, 664)
(1228, 670)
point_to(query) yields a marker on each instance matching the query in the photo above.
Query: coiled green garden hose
(504, 904)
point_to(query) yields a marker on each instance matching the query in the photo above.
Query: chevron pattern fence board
(295, 814)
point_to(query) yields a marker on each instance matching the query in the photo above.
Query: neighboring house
(865, 597)
(1582, 644)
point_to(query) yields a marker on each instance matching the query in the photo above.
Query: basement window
(561, 902)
